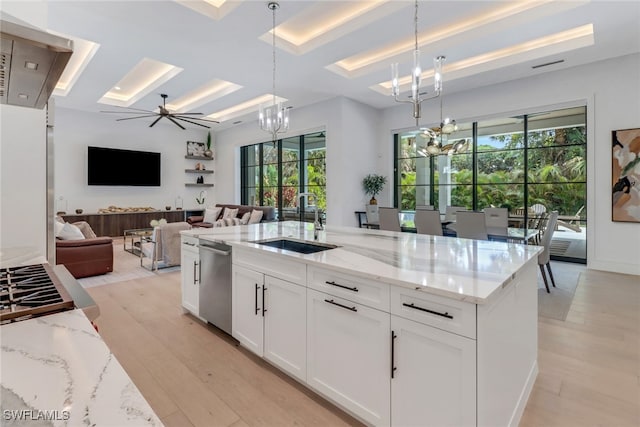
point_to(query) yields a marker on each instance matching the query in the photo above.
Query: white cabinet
(349, 355)
(190, 268)
(285, 326)
(434, 380)
(269, 318)
(246, 312)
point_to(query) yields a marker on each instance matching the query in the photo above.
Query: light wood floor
(194, 375)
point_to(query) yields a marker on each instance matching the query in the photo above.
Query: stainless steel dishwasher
(215, 284)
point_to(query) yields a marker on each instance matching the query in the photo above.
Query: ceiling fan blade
(128, 112)
(179, 125)
(130, 108)
(137, 117)
(189, 121)
(185, 114)
(179, 116)
(155, 121)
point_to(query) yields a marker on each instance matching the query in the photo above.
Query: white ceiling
(231, 48)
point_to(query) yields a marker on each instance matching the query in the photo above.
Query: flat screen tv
(111, 166)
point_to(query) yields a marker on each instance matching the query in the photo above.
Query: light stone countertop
(463, 269)
(58, 366)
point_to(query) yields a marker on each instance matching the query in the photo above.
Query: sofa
(268, 215)
(86, 255)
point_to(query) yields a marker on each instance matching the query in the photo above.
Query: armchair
(163, 247)
(86, 257)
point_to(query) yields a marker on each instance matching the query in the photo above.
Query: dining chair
(544, 257)
(471, 225)
(372, 214)
(428, 222)
(389, 219)
(497, 218)
(450, 212)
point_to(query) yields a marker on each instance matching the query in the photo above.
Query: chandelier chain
(415, 27)
(273, 34)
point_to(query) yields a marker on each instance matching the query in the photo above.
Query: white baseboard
(524, 396)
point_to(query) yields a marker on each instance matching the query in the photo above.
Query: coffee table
(134, 236)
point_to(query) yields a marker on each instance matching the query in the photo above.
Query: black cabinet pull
(256, 299)
(330, 301)
(393, 355)
(447, 315)
(195, 263)
(354, 289)
(264, 288)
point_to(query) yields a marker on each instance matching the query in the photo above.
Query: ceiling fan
(163, 112)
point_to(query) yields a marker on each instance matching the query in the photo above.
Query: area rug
(556, 305)
(126, 266)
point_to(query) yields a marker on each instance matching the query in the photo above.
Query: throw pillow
(230, 213)
(59, 226)
(245, 218)
(70, 232)
(211, 214)
(256, 216)
(85, 229)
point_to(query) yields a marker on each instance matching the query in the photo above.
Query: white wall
(611, 91)
(351, 133)
(75, 131)
(23, 165)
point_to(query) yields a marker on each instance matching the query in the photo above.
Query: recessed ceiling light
(116, 87)
(147, 75)
(83, 52)
(552, 44)
(23, 96)
(201, 95)
(30, 65)
(249, 106)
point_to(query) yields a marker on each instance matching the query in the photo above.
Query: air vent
(5, 60)
(547, 64)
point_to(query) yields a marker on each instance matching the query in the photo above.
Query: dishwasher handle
(212, 249)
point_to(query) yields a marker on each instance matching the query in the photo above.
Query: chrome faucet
(317, 225)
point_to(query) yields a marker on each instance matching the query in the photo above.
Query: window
(512, 162)
(275, 175)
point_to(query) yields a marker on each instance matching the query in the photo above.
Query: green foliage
(372, 184)
(209, 140)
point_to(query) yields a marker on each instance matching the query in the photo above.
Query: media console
(113, 224)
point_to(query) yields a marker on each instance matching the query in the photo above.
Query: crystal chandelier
(274, 118)
(416, 98)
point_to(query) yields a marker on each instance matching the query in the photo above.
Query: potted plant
(372, 185)
(208, 152)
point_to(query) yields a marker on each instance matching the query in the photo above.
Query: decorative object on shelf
(61, 206)
(112, 209)
(275, 117)
(168, 207)
(372, 185)
(198, 166)
(200, 180)
(178, 203)
(208, 152)
(195, 148)
(626, 176)
(163, 112)
(416, 75)
(201, 198)
(78, 211)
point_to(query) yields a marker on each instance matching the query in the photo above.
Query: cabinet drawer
(273, 265)
(357, 289)
(189, 240)
(443, 313)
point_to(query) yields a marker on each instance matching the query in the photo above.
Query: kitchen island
(395, 328)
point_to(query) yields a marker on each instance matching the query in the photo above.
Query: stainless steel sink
(300, 246)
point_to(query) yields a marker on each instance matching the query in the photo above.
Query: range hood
(31, 63)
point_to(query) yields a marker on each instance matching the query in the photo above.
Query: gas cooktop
(30, 291)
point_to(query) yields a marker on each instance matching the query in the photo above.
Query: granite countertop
(463, 269)
(57, 368)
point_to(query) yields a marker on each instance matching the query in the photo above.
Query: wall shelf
(198, 171)
(189, 184)
(198, 158)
